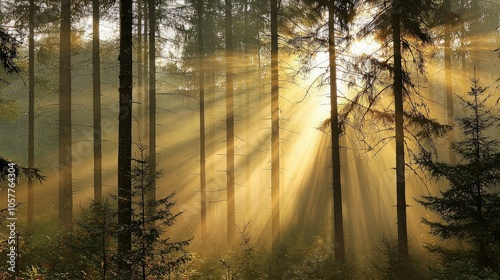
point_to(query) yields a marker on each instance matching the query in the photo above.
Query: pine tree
(31, 109)
(94, 232)
(125, 140)
(8, 52)
(275, 130)
(469, 209)
(338, 14)
(65, 157)
(231, 219)
(96, 90)
(403, 29)
(153, 254)
(398, 120)
(201, 85)
(152, 94)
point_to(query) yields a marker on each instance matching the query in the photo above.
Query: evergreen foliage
(8, 52)
(388, 264)
(93, 236)
(29, 173)
(469, 210)
(89, 250)
(153, 253)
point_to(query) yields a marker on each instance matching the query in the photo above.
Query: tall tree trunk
(151, 196)
(249, 153)
(448, 80)
(96, 81)
(103, 236)
(400, 155)
(275, 130)
(201, 79)
(231, 219)
(262, 104)
(145, 72)
(31, 111)
(65, 157)
(125, 141)
(334, 118)
(140, 97)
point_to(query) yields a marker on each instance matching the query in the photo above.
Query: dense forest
(250, 139)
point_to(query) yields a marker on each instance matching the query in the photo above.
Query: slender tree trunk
(145, 72)
(125, 141)
(96, 78)
(262, 113)
(152, 102)
(334, 118)
(31, 111)
(231, 219)
(143, 202)
(275, 130)
(463, 46)
(65, 157)
(448, 81)
(249, 155)
(400, 156)
(201, 79)
(140, 97)
(103, 245)
(210, 112)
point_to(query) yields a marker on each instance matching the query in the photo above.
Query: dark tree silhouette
(275, 130)
(338, 14)
(65, 157)
(152, 96)
(201, 85)
(96, 83)
(400, 153)
(140, 75)
(125, 140)
(31, 110)
(154, 254)
(8, 52)
(338, 224)
(469, 209)
(231, 218)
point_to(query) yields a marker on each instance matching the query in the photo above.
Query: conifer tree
(152, 95)
(8, 52)
(231, 219)
(94, 232)
(470, 208)
(402, 28)
(275, 130)
(31, 109)
(153, 254)
(65, 156)
(201, 61)
(338, 14)
(96, 90)
(125, 141)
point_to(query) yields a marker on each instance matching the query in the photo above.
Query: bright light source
(364, 46)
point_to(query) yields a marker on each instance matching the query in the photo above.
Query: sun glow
(107, 30)
(365, 46)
